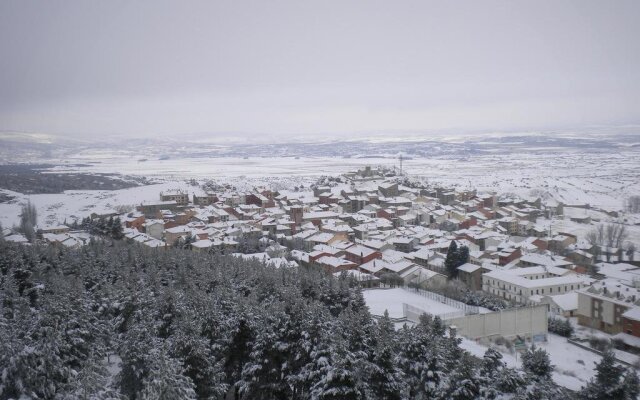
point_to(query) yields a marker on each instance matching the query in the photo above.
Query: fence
(591, 349)
(466, 308)
(412, 313)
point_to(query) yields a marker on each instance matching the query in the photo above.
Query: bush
(560, 327)
(599, 344)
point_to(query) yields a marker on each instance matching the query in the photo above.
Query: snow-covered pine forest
(119, 321)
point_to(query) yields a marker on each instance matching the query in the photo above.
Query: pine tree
(451, 261)
(385, 378)
(607, 384)
(631, 385)
(337, 379)
(116, 229)
(421, 361)
(463, 382)
(535, 361)
(265, 372)
(463, 256)
(165, 380)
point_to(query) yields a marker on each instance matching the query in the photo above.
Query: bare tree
(631, 251)
(28, 220)
(616, 234)
(632, 204)
(611, 235)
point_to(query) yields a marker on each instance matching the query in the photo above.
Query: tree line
(113, 320)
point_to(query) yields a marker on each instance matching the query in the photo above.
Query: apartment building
(519, 284)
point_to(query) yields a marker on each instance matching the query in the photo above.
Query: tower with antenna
(400, 157)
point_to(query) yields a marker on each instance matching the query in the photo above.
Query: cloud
(292, 68)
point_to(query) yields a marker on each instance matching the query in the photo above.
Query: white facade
(521, 283)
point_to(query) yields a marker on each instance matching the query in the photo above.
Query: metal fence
(466, 308)
(413, 313)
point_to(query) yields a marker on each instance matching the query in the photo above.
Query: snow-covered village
(500, 271)
(354, 200)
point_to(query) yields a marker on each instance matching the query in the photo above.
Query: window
(550, 290)
(537, 291)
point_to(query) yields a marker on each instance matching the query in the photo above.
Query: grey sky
(87, 68)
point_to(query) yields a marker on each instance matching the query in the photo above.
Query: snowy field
(574, 366)
(379, 300)
(75, 204)
(599, 179)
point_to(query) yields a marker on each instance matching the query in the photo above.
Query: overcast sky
(143, 68)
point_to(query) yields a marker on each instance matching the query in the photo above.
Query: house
(365, 279)
(151, 209)
(377, 245)
(56, 229)
(422, 276)
(202, 245)
(359, 254)
(63, 239)
(535, 260)
(388, 189)
(334, 264)
(510, 224)
(324, 238)
(630, 335)
(378, 267)
(565, 305)
(16, 238)
(205, 200)
(405, 244)
(631, 322)
(602, 305)
(173, 234)
(135, 221)
(471, 275)
(316, 217)
(178, 196)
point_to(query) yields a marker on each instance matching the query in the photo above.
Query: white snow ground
(379, 300)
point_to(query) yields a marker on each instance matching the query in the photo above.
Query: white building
(519, 284)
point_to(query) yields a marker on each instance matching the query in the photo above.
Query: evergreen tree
(451, 261)
(463, 255)
(609, 382)
(535, 361)
(265, 372)
(421, 361)
(182, 324)
(631, 384)
(463, 382)
(385, 377)
(116, 229)
(336, 372)
(165, 380)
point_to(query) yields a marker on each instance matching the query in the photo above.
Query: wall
(525, 321)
